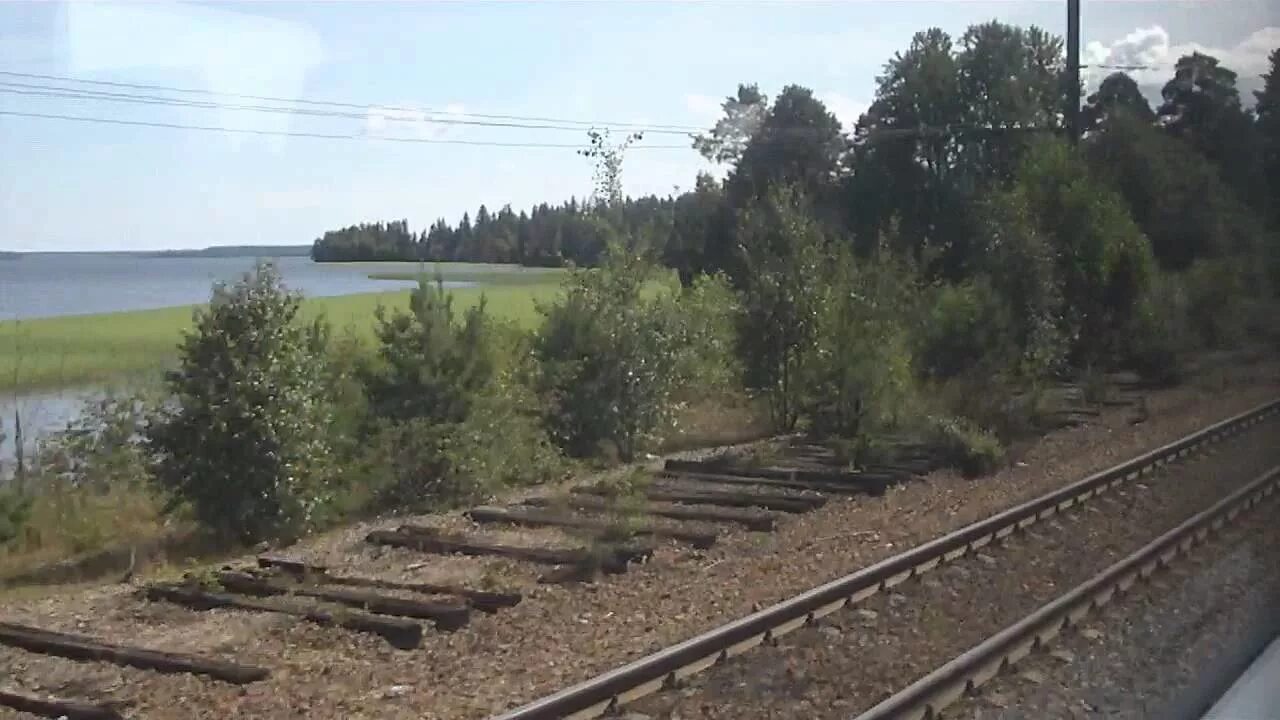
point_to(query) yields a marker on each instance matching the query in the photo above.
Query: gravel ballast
(1165, 649)
(561, 634)
(857, 657)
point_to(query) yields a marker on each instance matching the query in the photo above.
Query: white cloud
(846, 109)
(1152, 47)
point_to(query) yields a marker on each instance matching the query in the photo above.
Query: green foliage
(430, 365)
(1174, 194)
(965, 326)
(244, 439)
(447, 420)
(1021, 264)
(103, 447)
(783, 258)
(1117, 94)
(1267, 110)
(964, 446)
(704, 319)
(744, 113)
(607, 359)
(1103, 261)
(15, 510)
(1215, 302)
(1162, 334)
(856, 370)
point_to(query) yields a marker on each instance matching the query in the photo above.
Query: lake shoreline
(105, 349)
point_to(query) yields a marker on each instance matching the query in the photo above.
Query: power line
(54, 91)
(322, 136)
(362, 106)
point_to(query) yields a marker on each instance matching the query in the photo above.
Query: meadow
(125, 347)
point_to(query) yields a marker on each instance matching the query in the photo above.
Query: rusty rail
(653, 672)
(926, 697)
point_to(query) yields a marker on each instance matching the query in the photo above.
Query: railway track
(685, 504)
(677, 665)
(929, 696)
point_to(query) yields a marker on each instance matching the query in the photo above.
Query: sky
(72, 185)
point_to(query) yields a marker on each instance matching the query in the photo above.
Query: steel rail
(648, 674)
(929, 695)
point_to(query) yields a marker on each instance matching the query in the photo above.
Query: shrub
(15, 510)
(103, 447)
(430, 366)
(1103, 261)
(1020, 263)
(856, 371)
(607, 359)
(1216, 301)
(703, 317)
(244, 441)
(783, 255)
(1162, 334)
(446, 422)
(964, 446)
(965, 325)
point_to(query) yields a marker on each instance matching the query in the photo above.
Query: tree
(1268, 113)
(699, 222)
(947, 123)
(1118, 93)
(1202, 106)
(608, 159)
(899, 173)
(1103, 261)
(244, 440)
(1011, 81)
(799, 143)
(744, 113)
(1176, 195)
(607, 357)
(782, 259)
(429, 366)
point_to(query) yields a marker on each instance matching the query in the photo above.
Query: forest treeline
(926, 275)
(949, 124)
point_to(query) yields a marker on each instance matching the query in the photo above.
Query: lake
(49, 285)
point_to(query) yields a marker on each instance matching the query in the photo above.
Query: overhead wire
(324, 136)
(36, 90)
(353, 105)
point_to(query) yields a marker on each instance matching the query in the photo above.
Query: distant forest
(222, 251)
(546, 236)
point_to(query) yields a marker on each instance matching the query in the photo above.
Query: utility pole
(1073, 70)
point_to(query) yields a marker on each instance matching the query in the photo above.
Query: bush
(964, 446)
(15, 510)
(103, 447)
(607, 358)
(783, 255)
(429, 366)
(856, 372)
(1162, 333)
(703, 317)
(446, 422)
(244, 442)
(1103, 260)
(1020, 263)
(1216, 295)
(965, 326)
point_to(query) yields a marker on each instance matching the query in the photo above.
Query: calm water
(35, 286)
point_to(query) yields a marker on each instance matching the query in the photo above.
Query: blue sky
(77, 186)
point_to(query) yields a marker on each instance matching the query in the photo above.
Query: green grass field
(130, 347)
